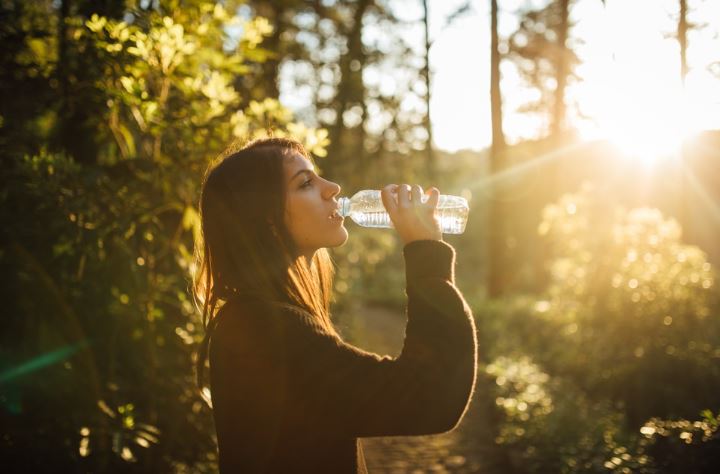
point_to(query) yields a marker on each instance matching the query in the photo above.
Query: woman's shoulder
(240, 326)
(251, 316)
(260, 328)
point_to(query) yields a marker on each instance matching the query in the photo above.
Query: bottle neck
(344, 206)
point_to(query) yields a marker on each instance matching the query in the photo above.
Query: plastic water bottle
(365, 208)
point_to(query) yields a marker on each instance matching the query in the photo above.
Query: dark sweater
(289, 396)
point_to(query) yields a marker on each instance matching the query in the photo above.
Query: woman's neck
(309, 259)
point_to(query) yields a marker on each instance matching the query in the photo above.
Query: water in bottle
(366, 209)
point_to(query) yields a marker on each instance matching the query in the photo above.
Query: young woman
(289, 395)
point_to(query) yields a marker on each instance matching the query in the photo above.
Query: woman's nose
(334, 189)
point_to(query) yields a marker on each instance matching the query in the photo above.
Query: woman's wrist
(429, 258)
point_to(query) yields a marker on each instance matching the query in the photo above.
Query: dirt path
(419, 454)
(460, 451)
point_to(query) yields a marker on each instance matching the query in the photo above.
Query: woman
(288, 394)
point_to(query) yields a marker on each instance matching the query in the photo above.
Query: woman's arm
(424, 390)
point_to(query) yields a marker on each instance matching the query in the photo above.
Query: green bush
(589, 376)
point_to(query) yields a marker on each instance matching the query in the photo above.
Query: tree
(365, 85)
(498, 216)
(540, 49)
(682, 30)
(562, 66)
(430, 158)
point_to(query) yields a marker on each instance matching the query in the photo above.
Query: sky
(630, 70)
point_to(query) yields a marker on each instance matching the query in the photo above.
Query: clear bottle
(365, 208)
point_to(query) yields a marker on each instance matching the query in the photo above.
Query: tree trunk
(558, 122)
(682, 39)
(350, 91)
(61, 72)
(682, 30)
(498, 136)
(496, 251)
(430, 156)
(271, 67)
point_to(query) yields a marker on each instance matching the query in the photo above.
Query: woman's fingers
(432, 201)
(404, 196)
(388, 198)
(416, 193)
(412, 218)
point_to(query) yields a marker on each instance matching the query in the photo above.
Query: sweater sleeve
(425, 390)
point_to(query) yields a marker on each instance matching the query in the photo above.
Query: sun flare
(648, 120)
(648, 127)
(633, 95)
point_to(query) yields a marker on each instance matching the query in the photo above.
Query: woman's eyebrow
(301, 172)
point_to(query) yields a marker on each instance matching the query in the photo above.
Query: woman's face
(309, 207)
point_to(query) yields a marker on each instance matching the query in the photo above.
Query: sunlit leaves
(255, 31)
(270, 118)
(686, 431)
(191, 221)
(315, 140)
(634, 258)
(268, 112)
(626, 331)
(164, 46)
(522, 389)
(550, 426)
(182, 65)
(84, 448)
(217, 88)
(96, 23)
(127, 432)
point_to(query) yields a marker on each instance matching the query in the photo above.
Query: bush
(589, 377)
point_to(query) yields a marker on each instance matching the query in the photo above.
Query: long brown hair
(245, 250)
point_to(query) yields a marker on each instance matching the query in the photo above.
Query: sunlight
(648, 121)
(41, 361)
(514, 172)
(704, 197)
(633, 94)
(648, 125)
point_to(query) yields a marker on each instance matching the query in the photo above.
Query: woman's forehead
(295, 162)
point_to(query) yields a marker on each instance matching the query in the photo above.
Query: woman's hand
(412, 218)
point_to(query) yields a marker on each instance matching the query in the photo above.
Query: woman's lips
(335, 216)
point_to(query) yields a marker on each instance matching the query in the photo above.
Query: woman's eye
(306, 183)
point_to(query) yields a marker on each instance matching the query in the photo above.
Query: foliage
(176, 78)
(626, 294)
(605, 371)
(362, 268)
(551, 426)
(683, 445)
(102, 323)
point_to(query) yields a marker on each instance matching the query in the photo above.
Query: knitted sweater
(289, 396)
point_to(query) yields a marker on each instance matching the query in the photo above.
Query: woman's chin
(341, 238)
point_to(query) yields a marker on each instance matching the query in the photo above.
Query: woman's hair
(245, 250)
